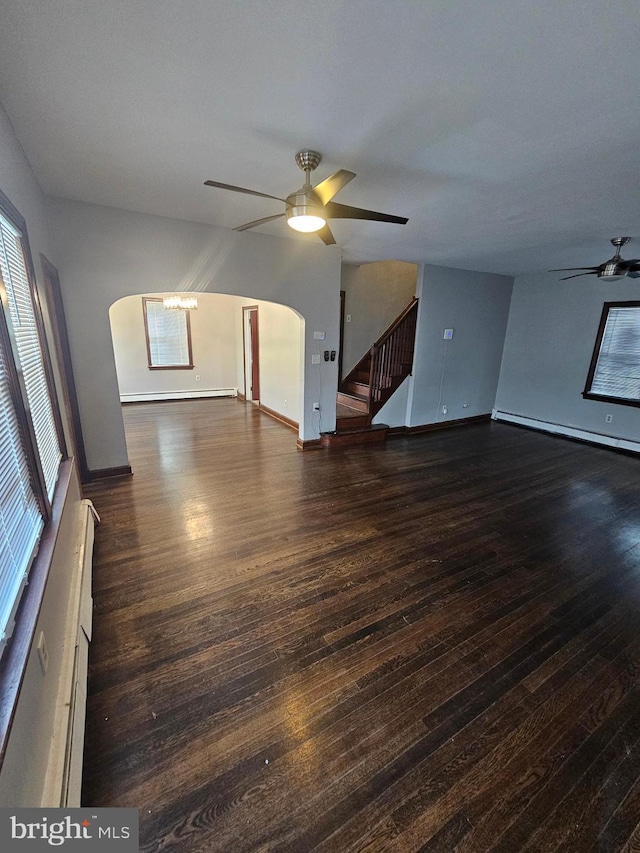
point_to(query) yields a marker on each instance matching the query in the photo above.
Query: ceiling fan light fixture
(306, 223)
(306, 218)
(304, 212)
(610, 271)
(611, 276)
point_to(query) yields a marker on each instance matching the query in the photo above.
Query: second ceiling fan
(612, 270)
(309, 208)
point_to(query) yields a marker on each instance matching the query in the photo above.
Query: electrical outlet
(197, 377)
(347, 319)
(444, 410)
(608, 419)
(316, 407)
(315, 358)
(43, 652)
(465, 405)
(286, 404)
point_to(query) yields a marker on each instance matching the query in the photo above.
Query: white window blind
(20, 519)
(168, 335)
(31, 361)
(617, 370)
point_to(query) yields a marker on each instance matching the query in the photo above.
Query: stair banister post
(373, 373)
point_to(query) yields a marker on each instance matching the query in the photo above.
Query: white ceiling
(506, 130)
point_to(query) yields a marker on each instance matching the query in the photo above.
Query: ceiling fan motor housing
(305, 203)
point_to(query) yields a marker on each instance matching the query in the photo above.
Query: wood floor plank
(525, 777)
(433, 642)
(591, 804)
(427, 807)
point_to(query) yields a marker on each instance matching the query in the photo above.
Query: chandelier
(181, 302)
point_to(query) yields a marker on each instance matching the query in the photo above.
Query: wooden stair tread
(358, 389)
(344, 411)
(353, 401)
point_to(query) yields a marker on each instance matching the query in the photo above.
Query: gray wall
(104, 254)
(463, 370)
(374, 296)
(549, 343)
(24, 766)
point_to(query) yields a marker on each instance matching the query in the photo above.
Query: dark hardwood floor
(431, 645)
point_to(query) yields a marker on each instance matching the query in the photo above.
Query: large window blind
(615, 366)
(168, 335)
(29, 350)
(30, 444)
(20, 519)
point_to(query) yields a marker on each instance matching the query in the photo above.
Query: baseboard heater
(568, 431)
(151, 396)
(64, 773)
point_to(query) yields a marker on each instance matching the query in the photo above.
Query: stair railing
(392, 357)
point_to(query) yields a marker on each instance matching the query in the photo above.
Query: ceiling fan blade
(240, 190)
(344, 211)
(571, 269)
(326, 236)
(333, 184)
(258, 222)
(567, 277)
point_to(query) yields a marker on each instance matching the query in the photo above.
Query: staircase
(365, 390)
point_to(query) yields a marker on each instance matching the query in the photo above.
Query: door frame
(341, 340)
(55, 309)
(250, 328)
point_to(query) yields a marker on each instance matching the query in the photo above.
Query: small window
(614, 374)
(168, 334)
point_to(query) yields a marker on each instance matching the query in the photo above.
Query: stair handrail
(412, 306)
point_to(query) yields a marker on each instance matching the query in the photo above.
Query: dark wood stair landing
(353, 426)
(368, 434)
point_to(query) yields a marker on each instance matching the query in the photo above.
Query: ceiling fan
(613, 269)
(308, 208)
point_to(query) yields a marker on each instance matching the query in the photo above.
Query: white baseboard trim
(177, 395)
(568, 431)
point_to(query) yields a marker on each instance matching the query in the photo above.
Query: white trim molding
(150, 396)
(568, 431)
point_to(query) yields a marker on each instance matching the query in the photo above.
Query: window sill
(16, 655)
(603, 398)
(170, 366)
